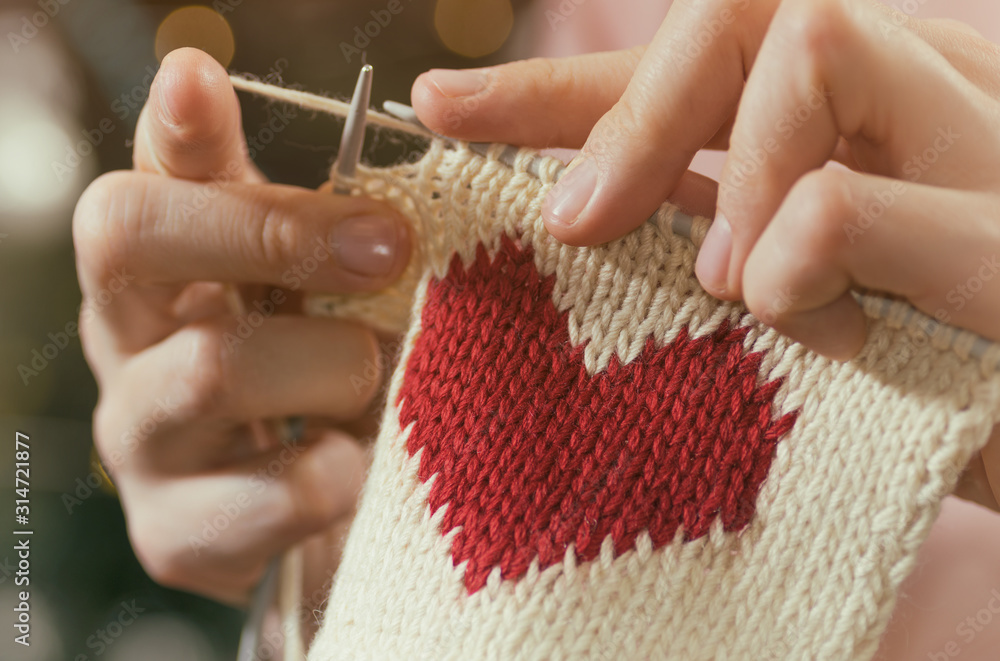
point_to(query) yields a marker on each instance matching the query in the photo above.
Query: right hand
(208, 504)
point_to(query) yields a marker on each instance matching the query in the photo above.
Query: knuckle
(314, 503)
(546, 78)
(101, 219)
(821, 202)
(619, 127)
(206, 371)
(278, 242)
(818, 28)
(809, 232)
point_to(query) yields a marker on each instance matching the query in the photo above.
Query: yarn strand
(335, 107)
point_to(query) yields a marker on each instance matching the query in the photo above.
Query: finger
(671, 108)
(154, 231)
(962, 45)
(191, 126)
(991, 467)
(805, 92)
(170, 231)
(556, 101)
(218, 375)
(217, 531)
(974, 483)
(695, 194)
(837, 230)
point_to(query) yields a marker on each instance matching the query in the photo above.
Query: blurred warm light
(473, 28)
(44, 163)
(199, 27)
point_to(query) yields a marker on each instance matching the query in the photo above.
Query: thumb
(191, 125)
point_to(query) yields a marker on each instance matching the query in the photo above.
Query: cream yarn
(807, 564)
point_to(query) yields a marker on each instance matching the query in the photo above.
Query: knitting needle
(348, 156)
(353, 138)
(680, 223)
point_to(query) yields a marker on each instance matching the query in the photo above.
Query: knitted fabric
(583, 455)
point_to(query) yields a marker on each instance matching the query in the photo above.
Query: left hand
(911, 107)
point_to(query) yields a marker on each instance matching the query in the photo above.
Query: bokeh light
(473, 28)
(42, 167)
(198, 27)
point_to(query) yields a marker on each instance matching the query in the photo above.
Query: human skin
(177, 307)
(786, 227)
(169, 357)
(641, 115)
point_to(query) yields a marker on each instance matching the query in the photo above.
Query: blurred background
(73, 76)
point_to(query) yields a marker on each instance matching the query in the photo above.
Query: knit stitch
(534, 453)
(583, 455)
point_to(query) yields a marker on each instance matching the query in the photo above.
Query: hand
(787, 87)
(182, 384)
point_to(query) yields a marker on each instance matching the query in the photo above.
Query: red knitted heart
(533, 453)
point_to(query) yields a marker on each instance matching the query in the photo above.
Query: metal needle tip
(353, 138)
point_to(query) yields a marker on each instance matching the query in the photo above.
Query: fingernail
(167, 115)
(454, 83)
(366, 245)
(712, 266)
(571, 193)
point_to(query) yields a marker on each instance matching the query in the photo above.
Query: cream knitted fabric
(585, 456)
